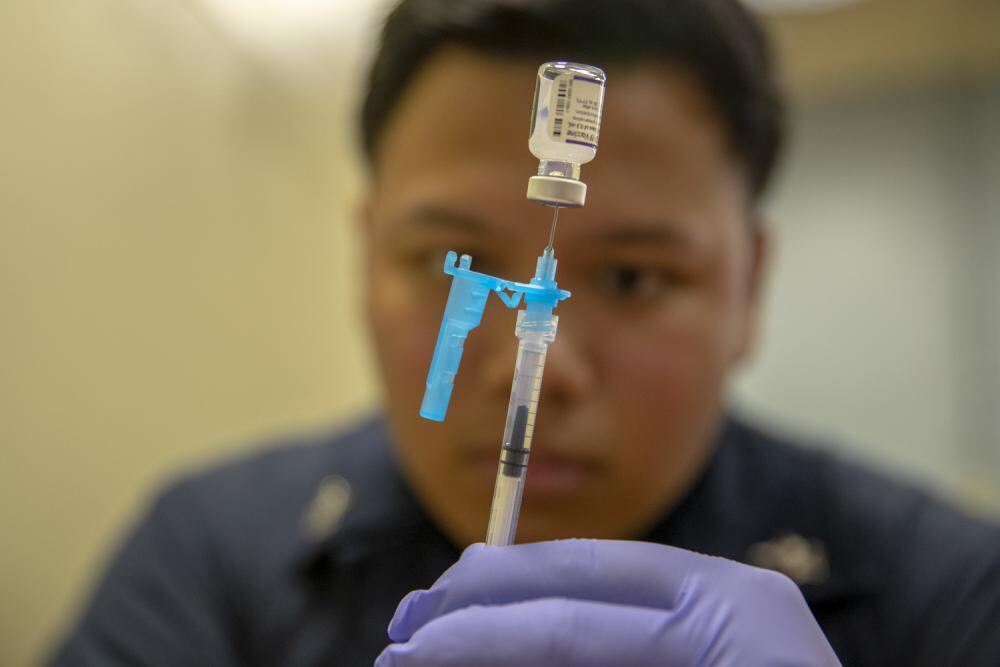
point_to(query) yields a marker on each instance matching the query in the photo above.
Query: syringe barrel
(536, 329)
(502, 529)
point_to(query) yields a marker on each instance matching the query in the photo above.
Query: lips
(558, 476)
(549, 475)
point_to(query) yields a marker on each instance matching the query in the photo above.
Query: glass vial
(565, 129)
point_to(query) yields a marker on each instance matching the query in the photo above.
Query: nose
(497, 352)
(569, 374)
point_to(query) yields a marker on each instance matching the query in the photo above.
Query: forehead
(460, 132)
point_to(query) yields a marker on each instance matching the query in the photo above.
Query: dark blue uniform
(298, 556)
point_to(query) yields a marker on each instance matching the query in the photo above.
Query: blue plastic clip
(464, 312)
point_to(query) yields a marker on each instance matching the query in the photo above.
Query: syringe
(565, 125)
(536, 329)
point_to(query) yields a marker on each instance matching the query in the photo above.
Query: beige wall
(176, 261)
(175, 276)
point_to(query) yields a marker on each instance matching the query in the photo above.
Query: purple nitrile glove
(601, 602)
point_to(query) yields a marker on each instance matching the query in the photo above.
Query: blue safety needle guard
(464, 312)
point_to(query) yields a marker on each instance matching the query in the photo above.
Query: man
(301, 555)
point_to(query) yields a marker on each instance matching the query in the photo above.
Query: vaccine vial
(565, 128)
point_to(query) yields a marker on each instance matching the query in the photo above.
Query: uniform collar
(756, 495)
(380, 513)
(768, 502)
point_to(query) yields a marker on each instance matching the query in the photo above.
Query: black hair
(718, 41)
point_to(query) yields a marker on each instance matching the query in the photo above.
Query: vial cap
(556, 191)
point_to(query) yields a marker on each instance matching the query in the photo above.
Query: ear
(364, 211)
(761, 244)
(761, 248)
(364, 222)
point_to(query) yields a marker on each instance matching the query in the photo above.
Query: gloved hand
(600, 602)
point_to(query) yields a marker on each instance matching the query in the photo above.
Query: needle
(552, 232)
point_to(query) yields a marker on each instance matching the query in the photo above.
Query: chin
(560, 533)
(559, 528)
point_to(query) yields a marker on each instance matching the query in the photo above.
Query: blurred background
(177, 258)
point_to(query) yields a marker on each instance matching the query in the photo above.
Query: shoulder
(254, 506)
(873, 511)
(271, 468)
(925, 573)
(214, 553)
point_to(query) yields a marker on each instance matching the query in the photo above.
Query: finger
(546, 632)
(632, 573)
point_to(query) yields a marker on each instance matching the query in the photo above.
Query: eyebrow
(656, 234)
(662, 234)
(450, 220)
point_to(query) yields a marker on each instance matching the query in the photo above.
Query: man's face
(662, 264)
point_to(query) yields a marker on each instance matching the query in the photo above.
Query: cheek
(673, 359)
(405, 325)
(665, 379)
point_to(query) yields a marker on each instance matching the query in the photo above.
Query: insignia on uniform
(322, 518)
(802, 560)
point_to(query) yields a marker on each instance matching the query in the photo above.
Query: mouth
(550, 475)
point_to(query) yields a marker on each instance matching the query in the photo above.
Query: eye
(428, 263)
(632, 283)
(484, 263)
(424, 263)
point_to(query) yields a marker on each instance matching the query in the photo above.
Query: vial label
(576, 110)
